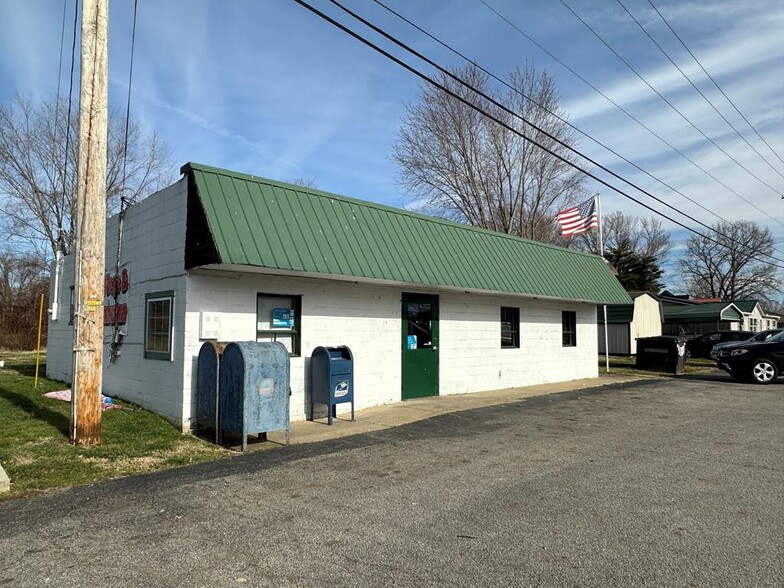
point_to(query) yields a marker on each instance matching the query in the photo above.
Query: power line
(618, 106)
(128, 109)
(555, 114)
(672, 106)
(116, 342)
(700, 92)
(715, 83)
(61, 212)
(520, 117)
(68, 119)
(492, 117)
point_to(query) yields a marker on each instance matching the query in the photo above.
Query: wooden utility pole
(90, 227)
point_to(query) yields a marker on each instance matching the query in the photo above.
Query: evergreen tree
(636, 271)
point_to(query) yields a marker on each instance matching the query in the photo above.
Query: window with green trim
(569, 328)
(510, 327)
(279, 318)
(158, 325)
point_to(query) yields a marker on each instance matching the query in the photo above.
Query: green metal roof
(745, 305)
(703, 312)
(259, 222)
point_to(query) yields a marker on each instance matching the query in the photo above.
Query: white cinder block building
(427, 306)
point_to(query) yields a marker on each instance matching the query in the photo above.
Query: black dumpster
(331, 379)
(663, 354)
(254, 389)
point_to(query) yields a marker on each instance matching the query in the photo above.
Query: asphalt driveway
(662, 483)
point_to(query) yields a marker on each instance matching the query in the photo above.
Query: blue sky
(265, 87)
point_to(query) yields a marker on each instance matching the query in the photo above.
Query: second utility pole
(89, 248)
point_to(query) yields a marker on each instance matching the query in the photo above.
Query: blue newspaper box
(254, 389)
(332, 379)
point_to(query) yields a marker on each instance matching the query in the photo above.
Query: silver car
(757, 337)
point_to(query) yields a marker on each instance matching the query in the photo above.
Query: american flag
(578, 219)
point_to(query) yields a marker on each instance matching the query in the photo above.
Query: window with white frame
(158, 325)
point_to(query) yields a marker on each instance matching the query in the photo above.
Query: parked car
(701, 346)
(761, 336)
(761, 361)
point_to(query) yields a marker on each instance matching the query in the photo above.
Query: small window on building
(158, 325)
(510, 327)
(569, 328)
(279, 318)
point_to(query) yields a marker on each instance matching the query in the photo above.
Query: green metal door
(420, 345)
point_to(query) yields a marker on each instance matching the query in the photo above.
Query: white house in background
(628, 322)
(427, 306)
(755, 318)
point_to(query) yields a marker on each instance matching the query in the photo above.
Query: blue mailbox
(207, 373)
(254, 389)
(332, 379)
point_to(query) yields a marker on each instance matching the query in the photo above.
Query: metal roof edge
(239, 268)
(192, 166)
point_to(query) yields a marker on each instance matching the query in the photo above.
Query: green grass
(626, 365)
(34, 447)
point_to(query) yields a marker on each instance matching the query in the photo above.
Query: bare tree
(732, 267)
(645, 237)
(306, 183)
(22, 282)
(38, 162)
(459, 164)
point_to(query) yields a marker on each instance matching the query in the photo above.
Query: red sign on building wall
(116, 288)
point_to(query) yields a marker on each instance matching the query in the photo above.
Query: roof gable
(746, 306)
(258, 222)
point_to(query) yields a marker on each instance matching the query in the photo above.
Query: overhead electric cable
(618, 106)
(672, 106)
(128, 109)
(715, 83)
(68, 119)
(493, 118)
(693, 85)
(518, 116)
(116, 342)
(555, 114)
(57, 122)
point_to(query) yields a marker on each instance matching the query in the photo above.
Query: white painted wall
(153, 246)
(471, 355)
(59, 339)
(368, 320)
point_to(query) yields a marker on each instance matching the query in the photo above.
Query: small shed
(627, 322)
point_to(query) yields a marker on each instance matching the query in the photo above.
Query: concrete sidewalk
(400, 413)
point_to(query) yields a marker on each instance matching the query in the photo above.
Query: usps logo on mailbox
(341, 389)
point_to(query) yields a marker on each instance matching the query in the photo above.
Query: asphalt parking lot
(676, 482)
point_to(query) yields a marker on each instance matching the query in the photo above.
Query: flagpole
(604, 306)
